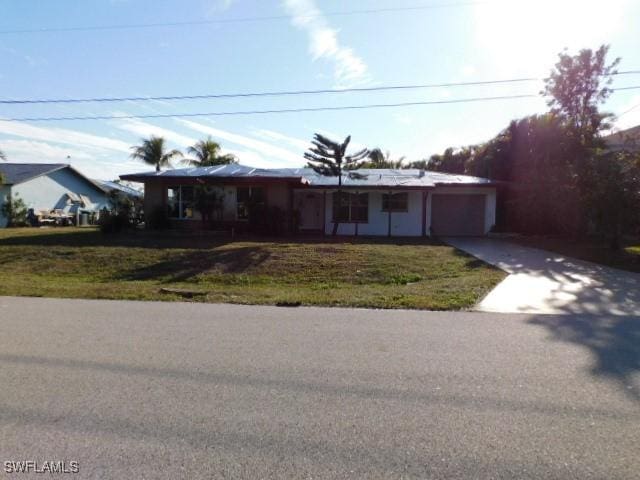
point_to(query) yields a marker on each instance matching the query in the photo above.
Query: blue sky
(309, 49)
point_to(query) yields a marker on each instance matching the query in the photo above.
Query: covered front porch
(366, 212)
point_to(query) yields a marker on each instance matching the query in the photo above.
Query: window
(247, 198)
(395, 202)
(180, 202)
(354, 207)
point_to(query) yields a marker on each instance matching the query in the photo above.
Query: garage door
(457, 215)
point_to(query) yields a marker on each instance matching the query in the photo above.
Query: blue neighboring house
(47, 187)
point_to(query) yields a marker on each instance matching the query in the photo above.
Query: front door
(310, 207)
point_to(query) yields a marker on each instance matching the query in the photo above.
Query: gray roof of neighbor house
(15, 173)
(625, 139)
(382, 177)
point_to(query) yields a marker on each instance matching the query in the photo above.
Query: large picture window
(247, 198)
(180, 202)
(354, 208)
(395, 202)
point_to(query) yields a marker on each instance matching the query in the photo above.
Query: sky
(289, 45)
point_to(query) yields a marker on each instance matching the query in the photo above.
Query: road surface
(184, 390)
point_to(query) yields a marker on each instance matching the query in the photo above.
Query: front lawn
(82, 263)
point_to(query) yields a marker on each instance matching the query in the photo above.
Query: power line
(278, 111)
(284, 93)
(265, 94)
(245, 19)
(260, 112)
(627, 111)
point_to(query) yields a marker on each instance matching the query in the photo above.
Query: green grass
(82, 263)
(590, 249)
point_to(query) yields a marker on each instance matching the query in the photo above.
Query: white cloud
(280, 156)
(62, 135)
(525, 38)
(403, 118)
(270, 135)
(145, 129)
(468, 70)
(348, 68)
(32, 151)
(218, 6)
(90, 164)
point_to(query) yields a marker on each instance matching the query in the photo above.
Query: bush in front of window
(157, 219)
(111, 222)
(15, 211)
(266, 220)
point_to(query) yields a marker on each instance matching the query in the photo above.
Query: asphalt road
(168, 390)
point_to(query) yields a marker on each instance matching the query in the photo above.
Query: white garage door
(458, 214)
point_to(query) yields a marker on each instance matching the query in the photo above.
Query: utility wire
(259, 112)
(245, 19)
(282, 93)
(627, 111)
(279, 111)
(264, 94)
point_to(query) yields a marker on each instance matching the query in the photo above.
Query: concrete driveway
(544, 282)
(188, 391)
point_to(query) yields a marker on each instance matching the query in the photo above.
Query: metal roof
(382, 177)
(121, 188)
(385, 177)
(628, 139)
(15, 173)
(222, 171)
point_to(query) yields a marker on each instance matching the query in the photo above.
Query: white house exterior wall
(47, 192)
(407, 223)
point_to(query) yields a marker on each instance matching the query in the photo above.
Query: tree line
(559, 174)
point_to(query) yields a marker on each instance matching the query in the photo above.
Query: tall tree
(330, 159)
(153, 152)
(452, 160)
(608, 181)
(576, 87)
(207, 153)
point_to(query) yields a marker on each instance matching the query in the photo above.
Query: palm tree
(329, 158)
(153, 152)
(378, 159)
(207, 153)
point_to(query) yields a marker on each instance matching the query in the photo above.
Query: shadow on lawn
(614, 342)
(471, 261)
(136, 239)
(197, 239)
(186, 266)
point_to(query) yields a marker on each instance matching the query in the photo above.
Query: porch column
(388, 214)
(324, 212)
(424, 212)
(290, 212)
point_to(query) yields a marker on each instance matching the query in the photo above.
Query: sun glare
(526, 35)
